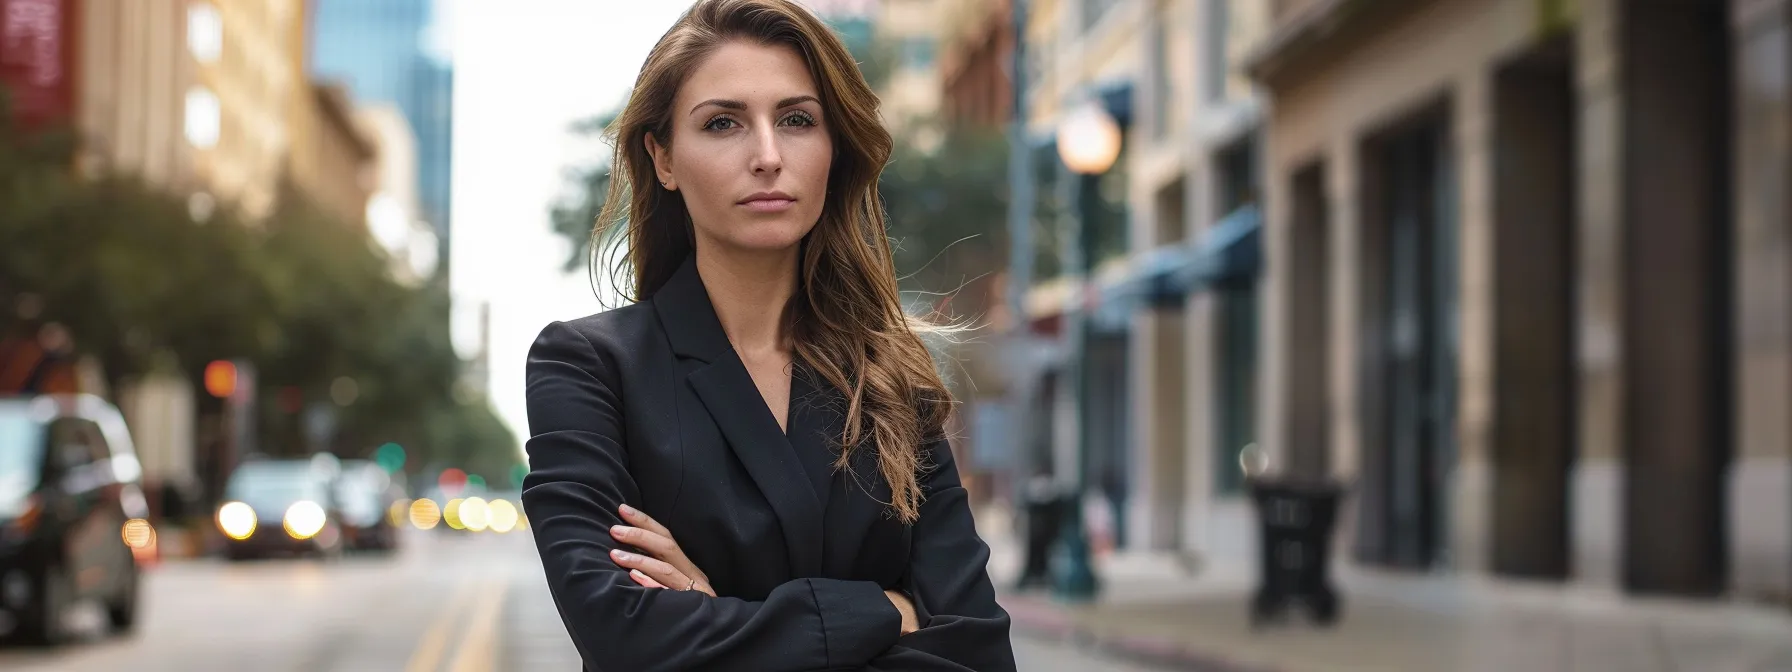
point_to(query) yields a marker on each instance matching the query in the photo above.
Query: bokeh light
(304, 520)
(138, 533)
(451, 514)
(451, 481)
(398, 512)
(425, 514)
(236, 520)
(390, 457)
(475, 514)
(503, 516)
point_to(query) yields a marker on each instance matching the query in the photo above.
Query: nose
(766, 157)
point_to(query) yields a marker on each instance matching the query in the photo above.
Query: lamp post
(1088, 143)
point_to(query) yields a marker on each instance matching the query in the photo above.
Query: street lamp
(1089, 140)
(1088, 144)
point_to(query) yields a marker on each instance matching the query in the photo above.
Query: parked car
(281, 507)
(69, 484)
(366, 495)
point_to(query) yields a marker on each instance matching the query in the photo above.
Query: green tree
(575, 214)
(306, 298)
(947, 209)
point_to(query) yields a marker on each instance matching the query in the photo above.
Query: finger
(654, 568)
(651, 543)
(658, 546)
(644, 579)
(640, 519)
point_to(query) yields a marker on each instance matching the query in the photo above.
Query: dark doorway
(1677, 335)
(1412, 437)
(1534, 429)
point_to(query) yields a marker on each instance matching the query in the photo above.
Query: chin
(768, 236)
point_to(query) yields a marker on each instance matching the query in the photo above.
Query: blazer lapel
(733, 401)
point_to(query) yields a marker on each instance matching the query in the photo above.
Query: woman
(745, 469)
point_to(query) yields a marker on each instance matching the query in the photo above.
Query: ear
(662, 161)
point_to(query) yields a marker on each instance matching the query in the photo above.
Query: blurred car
(70, 488)
(366, 495)
(281, 508)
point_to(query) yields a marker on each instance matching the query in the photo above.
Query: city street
(465, 603)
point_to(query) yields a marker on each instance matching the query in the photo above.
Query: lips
(768, 201)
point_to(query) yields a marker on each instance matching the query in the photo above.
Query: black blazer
(649, 405)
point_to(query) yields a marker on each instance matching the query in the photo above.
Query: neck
(749, 293)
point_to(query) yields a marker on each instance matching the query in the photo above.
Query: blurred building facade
(209, 100)
(976, 51)
(1534, 292)
(333, 161)
(1522, 281)
(134, 72)
(909, 32)
(394, 212)
(382, 51)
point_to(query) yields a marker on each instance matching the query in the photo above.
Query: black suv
(69, 483)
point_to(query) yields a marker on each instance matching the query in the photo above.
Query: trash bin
(1295, 520)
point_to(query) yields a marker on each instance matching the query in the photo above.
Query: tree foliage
(306, 298)
(575, 215)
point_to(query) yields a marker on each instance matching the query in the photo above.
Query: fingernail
(619, 530)
(629, 511)
(622, 555)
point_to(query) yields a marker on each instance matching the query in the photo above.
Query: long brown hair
(846, 317)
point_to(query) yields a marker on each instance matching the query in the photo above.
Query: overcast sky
(524, 71)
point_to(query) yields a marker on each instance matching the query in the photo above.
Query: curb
(1044, 619)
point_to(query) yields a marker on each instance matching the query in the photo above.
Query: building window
(204, 117)
(205, 32)
(1214, 33)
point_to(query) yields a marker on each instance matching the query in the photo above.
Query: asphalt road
(455, 602)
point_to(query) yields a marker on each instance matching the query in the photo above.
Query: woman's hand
(909, 622)
(664, 565)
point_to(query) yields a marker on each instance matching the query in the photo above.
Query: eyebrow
(738, 105)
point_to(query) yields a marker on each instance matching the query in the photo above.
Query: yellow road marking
(428, 654)
(478, 650)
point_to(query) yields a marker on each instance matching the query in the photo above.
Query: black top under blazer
(649, 405)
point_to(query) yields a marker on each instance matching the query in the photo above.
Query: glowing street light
(1089, 140)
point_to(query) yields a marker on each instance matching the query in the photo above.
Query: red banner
(37, 59)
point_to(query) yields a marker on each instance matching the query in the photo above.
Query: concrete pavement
(1153, 610)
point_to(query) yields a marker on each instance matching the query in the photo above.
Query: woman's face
(750, 151)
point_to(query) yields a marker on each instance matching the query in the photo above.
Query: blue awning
(1230, 253)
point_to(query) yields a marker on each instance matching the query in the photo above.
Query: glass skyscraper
(377, 48)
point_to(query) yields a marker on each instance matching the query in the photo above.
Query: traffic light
(220, 379)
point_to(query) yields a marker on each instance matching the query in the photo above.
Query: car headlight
(236, 520)
(304, 520)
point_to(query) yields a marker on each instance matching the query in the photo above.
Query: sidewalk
(1150, 610)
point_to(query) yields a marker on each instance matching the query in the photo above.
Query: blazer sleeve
(962, 626)
(579, 475)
